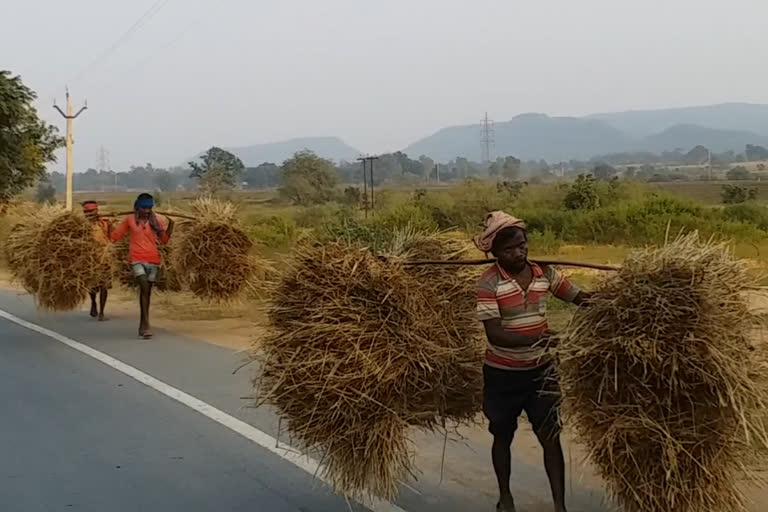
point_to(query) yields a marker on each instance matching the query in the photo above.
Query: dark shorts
(507, 393)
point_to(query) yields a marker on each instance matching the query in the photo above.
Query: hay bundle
(20, 245)
(63, 260)
(660, 382)
(356, 353)
(450, 290)
(214, 254)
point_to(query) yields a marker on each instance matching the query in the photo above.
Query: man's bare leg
(102, 302)
(502, 465)
(94, 311)
(144, 291)
(554, 463)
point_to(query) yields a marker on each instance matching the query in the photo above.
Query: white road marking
(246, 430)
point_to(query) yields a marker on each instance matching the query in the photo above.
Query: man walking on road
(511, 303)
(145, 230)
(101, 230)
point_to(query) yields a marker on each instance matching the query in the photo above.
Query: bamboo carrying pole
(167, 214)
(596, 266)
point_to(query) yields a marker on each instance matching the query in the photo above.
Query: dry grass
(661, 382)
(214, 255)
(20, 246)
(56, 257)
(359, 349)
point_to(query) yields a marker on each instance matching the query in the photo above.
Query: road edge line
(246, 430)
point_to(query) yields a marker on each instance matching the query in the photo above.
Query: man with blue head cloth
(146, 231)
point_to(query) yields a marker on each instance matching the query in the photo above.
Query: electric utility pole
(70, 141)
(370, 160)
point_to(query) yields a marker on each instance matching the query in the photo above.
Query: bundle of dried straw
(213, 253)
(57, 258)
(660, 379)
(360, 348)
(20, 245)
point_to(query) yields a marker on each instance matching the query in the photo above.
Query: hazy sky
(377, 74)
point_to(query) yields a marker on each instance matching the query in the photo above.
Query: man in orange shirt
(101, 229)
(146, 230)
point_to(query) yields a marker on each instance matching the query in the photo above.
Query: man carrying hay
(101, 231)
(511, 303)
(146, 230)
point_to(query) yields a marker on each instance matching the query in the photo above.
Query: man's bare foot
(94, 311)
(102, 318)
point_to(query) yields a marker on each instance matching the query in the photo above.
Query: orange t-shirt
(143, 242)
(100, 229)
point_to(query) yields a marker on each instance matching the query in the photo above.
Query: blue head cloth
(144, 203)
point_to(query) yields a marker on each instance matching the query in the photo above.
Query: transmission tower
(487, 138)
(103, 165)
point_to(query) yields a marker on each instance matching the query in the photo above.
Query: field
(708, 192)
(624, 215)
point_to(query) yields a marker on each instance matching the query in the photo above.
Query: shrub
(748, 213)
(737, 173)
(46, 193)
(583, 194)
(353, 196)
(319, 215)
(734, 194)
(273, 231)
(544, 242)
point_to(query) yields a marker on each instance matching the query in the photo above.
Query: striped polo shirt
(521, 311)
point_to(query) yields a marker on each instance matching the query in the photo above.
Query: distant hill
(332, 148)
(749, 117)
(686, 136)
(527, 136)
(534, 136)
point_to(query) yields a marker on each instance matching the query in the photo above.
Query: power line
(144, 18)
(139, 65)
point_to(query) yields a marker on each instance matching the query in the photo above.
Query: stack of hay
(214, 255)
(660, 379)
(20, 245)
(360, 348)
(57, 258)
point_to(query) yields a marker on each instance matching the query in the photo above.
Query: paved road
(77, 435)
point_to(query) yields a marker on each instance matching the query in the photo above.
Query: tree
(629, 172)
(164, 181)
(353, 196)
(755, 153)
(27, 143)
(220, 170)
(264, 175)
(737, 173)
(308, 179)
(583, 194)
(428, 166)
(507, 167)
(603, 172)
(46, 192)
(462, 167)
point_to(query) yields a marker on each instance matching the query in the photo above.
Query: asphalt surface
(77, 435)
